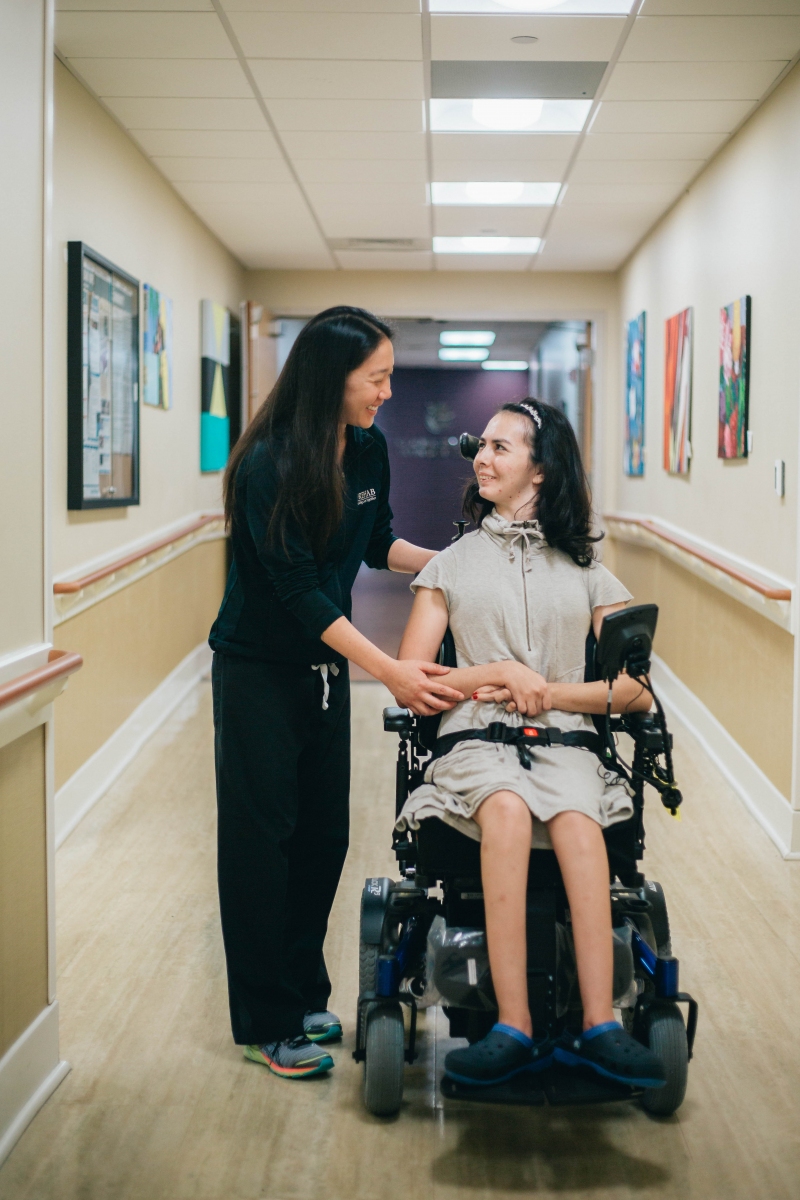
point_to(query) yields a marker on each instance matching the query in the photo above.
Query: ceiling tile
(375, 260)
(287, 239)
(349, 80)
(388, 116)
(141, 35)
(671, 116)
(141, 113)
(715, 39)
(503, 171)
(361, 170)
(206, 143)
(324, 6)
(678, 171)
(375, 211)
(497, 222)
(230, 170)
(131, 5)
(329, 35)
(575, 251)
(568, 39)
(507, 147)
(622, 194)
(355, 145)
(601, 218)
(651, 145)
(721, 8)
(210, 77)
(270, 197)
(691, 80)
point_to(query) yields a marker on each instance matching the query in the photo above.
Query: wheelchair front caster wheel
(666, 1037)
(385, 1060)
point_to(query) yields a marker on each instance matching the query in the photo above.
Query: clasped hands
(428, 689)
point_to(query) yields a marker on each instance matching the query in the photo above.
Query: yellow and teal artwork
(734, 378)
(214, 386)
(157, 349)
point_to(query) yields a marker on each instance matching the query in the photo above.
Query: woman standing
(307, 501)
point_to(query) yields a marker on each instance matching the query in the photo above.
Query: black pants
(283, 782)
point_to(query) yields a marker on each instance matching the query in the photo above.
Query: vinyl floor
(159, 1104)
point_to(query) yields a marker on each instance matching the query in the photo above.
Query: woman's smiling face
(368, 386)
(506, 476)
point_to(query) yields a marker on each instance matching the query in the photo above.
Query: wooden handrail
(69, 587)
(763, 589)
(59, 662)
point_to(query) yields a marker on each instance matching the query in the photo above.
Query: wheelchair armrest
(398, 720)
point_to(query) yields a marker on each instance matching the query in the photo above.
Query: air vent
(381, 244)
(516, 80)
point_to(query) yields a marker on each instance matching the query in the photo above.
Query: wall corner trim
(30, 1071)
(758, 794)
(93, 779)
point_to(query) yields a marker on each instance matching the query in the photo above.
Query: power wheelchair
(423, 936)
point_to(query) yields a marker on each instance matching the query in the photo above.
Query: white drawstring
(323, 669)
(524, 536)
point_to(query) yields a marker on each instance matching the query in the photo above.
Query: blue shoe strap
(596, 1030)
(515, 1033)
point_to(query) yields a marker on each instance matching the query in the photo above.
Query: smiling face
(368, 386)
(506, 475)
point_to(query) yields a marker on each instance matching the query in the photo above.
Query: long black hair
(564, 501)
(300, 418)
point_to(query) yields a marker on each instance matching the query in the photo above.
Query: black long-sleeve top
(280, 599)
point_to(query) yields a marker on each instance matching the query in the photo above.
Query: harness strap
(523, 736)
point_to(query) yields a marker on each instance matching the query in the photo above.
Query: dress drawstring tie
(323, 669)
(524, 536)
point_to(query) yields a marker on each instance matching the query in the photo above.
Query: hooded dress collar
(511, 536)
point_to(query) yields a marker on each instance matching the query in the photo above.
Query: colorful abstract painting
(734, 378)
(214, 384)
(678, 392)
(634, 398)
(157, 349)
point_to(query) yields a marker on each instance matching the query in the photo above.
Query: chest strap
(523, 737)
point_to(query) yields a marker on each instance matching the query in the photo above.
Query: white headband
(533, 413)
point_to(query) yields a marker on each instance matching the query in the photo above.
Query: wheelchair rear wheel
(666, 1037)
(385, 1060)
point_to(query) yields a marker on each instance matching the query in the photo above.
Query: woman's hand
(526, 690)
(490, 694)
(413, 684)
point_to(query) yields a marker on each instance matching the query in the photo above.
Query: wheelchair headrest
(468, 445)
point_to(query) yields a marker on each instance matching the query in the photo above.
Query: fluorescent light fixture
(508, 116)
(593, 8)
(522, 194)
(507, 364)
(467, 337)
(486, 245)
(463, 353)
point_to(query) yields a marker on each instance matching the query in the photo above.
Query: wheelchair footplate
(556, 1086)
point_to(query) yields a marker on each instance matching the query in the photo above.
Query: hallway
(160, 1106)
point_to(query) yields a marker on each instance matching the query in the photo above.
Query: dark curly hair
(564, 501)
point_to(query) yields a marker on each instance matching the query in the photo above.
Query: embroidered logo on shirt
(365, 497)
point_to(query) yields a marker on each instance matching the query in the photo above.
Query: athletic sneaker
(611, 1052)
(502, 1054)
(293, 1058)
(322, 1027)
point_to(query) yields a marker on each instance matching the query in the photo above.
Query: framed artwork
(634, 398)
(678, 392)
(734, 378)
(102, 382)
(214, 386)
(156, 349)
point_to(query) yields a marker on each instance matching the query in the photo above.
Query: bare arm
(407, 558)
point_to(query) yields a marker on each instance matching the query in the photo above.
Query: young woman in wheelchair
(519, 594)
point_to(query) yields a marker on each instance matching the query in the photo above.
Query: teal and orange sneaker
(292, 1058)
(322, 1027)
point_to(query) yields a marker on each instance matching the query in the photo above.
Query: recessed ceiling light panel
(505, 364)
(522, 194)
(467, 337)
(463, 354)
(492, 115)
(588, 8)
(486, 245)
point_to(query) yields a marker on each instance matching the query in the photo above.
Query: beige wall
(108, 195)
(130, 642)
(735, 232)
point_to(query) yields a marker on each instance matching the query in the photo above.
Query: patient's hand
(495, 695)
(523, 690)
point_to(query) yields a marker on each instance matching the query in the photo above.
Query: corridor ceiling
(300, 131)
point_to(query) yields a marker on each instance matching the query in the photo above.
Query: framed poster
(678, 392)
(102, 382)
(156, 349)
(634, 398)
(734, 378)
(214, 386)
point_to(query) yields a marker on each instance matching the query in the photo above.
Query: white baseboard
(760, 796)
(91, 781)
(29, 1074)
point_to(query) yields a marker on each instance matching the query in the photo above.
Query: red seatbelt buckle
(531, 732)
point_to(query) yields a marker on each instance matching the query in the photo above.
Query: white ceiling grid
(297, 129)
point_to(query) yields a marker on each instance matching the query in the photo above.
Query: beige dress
(511, 596)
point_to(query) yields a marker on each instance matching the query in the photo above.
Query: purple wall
(428, 474)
